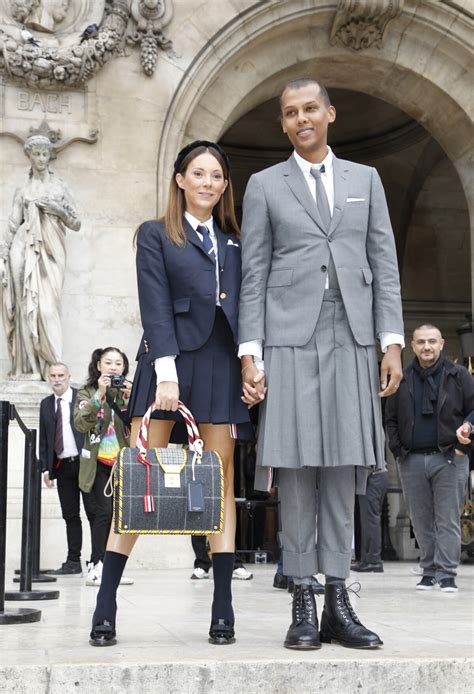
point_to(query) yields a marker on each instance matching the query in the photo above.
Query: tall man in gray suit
(320, 284)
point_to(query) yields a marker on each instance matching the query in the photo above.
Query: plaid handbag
(155, 488)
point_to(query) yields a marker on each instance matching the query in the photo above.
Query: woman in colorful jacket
(99, 413)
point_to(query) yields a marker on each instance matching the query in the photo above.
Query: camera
(117, 381)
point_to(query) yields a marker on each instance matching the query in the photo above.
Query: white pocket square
(231, 243)
(355, 200)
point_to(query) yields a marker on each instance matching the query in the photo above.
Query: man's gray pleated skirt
(322, 408)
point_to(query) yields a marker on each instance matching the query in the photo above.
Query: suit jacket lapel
(52, 409)
(296, 181)
(194, 238)
(50, 419)
(341, 187)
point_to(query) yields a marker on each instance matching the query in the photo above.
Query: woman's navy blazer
(177, 289)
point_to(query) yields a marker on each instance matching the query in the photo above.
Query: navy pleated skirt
(209, 378)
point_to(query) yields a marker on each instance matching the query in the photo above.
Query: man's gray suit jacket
(286, 253)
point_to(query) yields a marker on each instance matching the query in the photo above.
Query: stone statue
(41, 15)
(32, 263)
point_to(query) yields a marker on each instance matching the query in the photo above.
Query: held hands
(391, 372)
(463, 433)
(253, 383)
(167, 396)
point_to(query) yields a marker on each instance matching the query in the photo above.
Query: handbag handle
(194, 439)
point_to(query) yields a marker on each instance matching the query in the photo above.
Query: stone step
(162, 647)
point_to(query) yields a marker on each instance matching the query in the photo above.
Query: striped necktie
(58, 434)
(206, 241)
(321, 197)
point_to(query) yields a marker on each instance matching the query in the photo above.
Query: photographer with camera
(100, 414)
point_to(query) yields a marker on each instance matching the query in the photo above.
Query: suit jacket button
(329, 239)
(222, 295)
(323, 268)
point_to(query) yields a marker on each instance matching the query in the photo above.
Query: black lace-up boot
(340, 624)
(303, 632)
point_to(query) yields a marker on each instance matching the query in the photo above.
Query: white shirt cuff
(253, 348)
(165, 369)
(387, 339)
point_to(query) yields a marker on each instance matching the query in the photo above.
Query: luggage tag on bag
(195, 497)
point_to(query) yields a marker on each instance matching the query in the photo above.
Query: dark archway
(423, 190)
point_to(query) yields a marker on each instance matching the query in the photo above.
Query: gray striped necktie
(321, 197)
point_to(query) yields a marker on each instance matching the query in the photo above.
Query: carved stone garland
(43, 67)
(151, 16)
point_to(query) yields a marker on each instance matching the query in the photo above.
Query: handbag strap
(194, 438)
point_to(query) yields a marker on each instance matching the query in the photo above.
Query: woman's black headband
(199, 143)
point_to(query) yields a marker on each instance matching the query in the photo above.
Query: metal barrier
(7, 413)
(21, 615)
(38, 575)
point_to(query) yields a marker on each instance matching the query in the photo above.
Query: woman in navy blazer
(188, 271)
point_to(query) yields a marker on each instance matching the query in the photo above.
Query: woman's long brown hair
(176, 206)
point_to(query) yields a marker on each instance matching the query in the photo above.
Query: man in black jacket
(433, 400)
(60, 445)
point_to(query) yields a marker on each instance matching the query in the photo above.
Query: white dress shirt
(70, 448)
(255, 347)
(165, 367)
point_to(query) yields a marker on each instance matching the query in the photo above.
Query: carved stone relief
(361, 24)
(40, 15)
(61, 44)
(151, 16)
(71, 115)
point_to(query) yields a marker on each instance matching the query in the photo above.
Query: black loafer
(221, 632)
(103, 634)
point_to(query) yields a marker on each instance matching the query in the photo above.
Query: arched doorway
(427, 204)
(418, 77)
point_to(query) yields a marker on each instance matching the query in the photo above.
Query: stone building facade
(121, 85)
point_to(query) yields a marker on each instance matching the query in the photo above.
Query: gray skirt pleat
(322, 408)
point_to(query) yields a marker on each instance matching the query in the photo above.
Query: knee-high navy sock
(106, 607)
(222, 568)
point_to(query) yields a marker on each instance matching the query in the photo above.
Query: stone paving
(162, 630)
